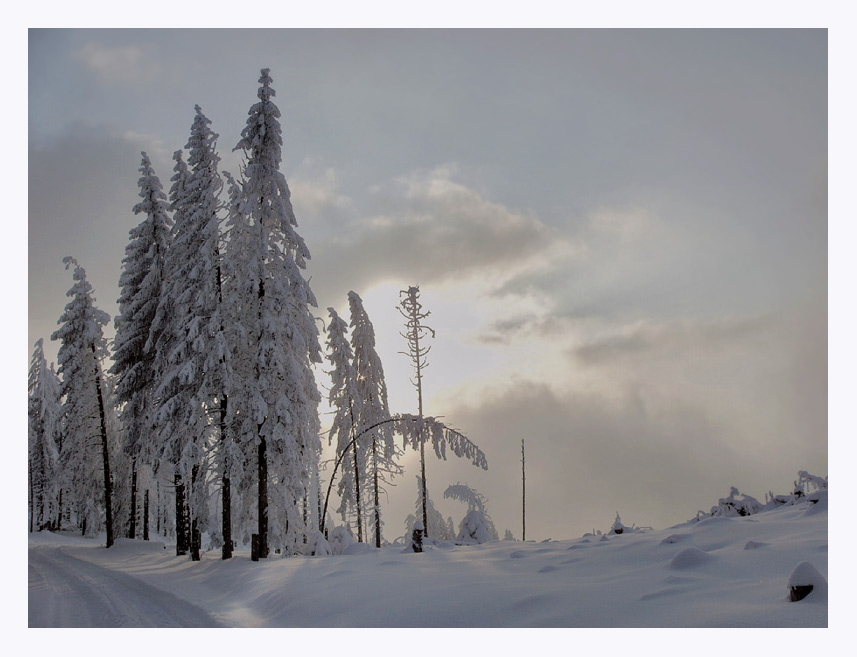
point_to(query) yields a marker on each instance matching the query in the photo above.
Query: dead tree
(415, 330)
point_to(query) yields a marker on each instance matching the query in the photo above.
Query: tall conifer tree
(133, 351)
(283, 399)
(44, 429)
(81, 352)
(372, 392)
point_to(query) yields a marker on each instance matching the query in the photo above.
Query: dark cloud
(428, 228)
(82, 188)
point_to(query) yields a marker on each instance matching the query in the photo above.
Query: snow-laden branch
(414, 431)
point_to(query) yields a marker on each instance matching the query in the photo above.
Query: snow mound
(806, 575)
(358, 548)
(676, 538)
(691, 557)
(818, 503)
(132, 546)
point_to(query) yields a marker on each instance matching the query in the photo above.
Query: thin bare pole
(523, 493)
(411, 310)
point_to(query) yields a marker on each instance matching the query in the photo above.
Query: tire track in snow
(68, 592)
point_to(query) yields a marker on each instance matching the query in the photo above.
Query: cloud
(590, 455)
(125, 64)
(427, 228)
(647, 338)
(66, 175)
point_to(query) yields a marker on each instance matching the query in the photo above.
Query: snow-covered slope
(718, 572)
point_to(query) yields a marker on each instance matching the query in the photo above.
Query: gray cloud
(428, 228)
(589, 456)
(124, 64)
(65, 175)
(698, 336)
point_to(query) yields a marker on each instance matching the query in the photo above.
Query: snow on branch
(415, 429)
(466, 494)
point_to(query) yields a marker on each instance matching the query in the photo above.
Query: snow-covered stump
(805, 579)
(417, 536)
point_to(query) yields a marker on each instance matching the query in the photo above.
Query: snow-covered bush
(475, 502)
(808, 483)
(340, 538)
(474, 529)
(317, 545)
(737, 504)
(619, 528)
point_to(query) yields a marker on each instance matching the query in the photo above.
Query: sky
(621, 235)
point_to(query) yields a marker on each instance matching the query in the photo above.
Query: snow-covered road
(67, 592)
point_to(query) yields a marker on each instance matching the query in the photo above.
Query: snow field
(719, 572)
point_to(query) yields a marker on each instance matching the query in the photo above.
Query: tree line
(207, 422)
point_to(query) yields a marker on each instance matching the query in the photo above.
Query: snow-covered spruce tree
(345, 399)
(81, 351)
(416, 331)
(372, 392)
(214, 350)
(192, 352)
(283, 401)
(44, 411)
(133, 352)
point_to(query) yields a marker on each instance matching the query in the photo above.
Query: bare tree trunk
(523, 493)
(357, 495)
(59, 514)
(193, 513)
(226, 489)
(32, 495)
(423, 473)
(262, 471)
(377, 497)
(108, 483)
(132, 525)
(181, 530)
(146, 515)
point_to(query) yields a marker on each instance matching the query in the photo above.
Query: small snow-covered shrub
(474, 528)
(475, 502)
(736, 504)
(809, 483)
(340, 538)
(317, 545)
(619, 528)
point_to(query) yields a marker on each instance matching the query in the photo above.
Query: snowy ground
(720, 572)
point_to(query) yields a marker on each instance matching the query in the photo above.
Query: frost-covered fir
(193, 355)
(85, 457)
(282, 397)
(44, 416)
(133, 350)
(345, 399)
(379, 446)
